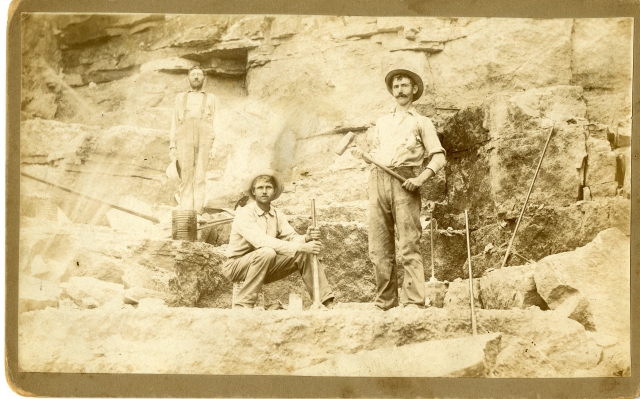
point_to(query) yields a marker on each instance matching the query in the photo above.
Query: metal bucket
(184, 225)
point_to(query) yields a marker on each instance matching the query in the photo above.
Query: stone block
(552, 287)
(510, 287)
(457, 295)
(249, 350)
(73, 80)
(623, 135)
(601, 161)
(34, 294)
(89, 291)
(458, 357)
(576, 307)
(520, 358)
(435, 292)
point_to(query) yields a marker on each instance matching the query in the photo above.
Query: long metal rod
(114, 206)
(316, 275)
(215, 223)
(524, 207)
(433, 269)
(473, 314)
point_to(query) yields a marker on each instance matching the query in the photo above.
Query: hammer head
(345, 143)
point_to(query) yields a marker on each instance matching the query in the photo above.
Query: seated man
(263, 247)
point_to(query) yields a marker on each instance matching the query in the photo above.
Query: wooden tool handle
(389, 171)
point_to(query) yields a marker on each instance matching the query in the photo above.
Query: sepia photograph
(325, 195)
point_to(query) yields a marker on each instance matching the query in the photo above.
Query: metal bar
(522, 257)
(114, 206)
(473, 314)
(316, 275)
(215, 223)
(433, 270)
(524, 207)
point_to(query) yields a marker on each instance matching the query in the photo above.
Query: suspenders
(184, 106)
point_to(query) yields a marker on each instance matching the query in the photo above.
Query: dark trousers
(264, 266)
(389, 205)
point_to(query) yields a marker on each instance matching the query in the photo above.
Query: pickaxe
(346, 142)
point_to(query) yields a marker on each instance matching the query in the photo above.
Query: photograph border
(164, 385)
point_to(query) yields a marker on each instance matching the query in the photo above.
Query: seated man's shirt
(254, 228)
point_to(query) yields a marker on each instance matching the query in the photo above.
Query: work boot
(413, 306)
(329, 303)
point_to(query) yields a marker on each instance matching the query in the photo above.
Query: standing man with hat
(191, 140)
(263, 247)
(401, 140)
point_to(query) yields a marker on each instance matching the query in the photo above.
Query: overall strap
(184, 106)
(204, 103)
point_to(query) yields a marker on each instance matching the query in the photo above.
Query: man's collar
(260, 212)
(196, 91)
(412, 110)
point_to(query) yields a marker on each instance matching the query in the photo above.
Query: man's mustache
(402, 95)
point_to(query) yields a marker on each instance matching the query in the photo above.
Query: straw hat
(417, 80)
(173, 170)
(279, 188)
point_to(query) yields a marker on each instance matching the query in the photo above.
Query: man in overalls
(191, 140)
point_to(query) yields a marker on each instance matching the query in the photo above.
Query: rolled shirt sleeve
(430, 137)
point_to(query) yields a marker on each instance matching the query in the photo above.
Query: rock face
(101, 126)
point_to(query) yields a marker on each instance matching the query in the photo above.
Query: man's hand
(173, 154)
(356, 152)
(413, 184)
(313, 234)
(311, 247)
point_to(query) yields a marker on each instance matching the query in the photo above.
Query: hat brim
(418, 81)
(279, 185)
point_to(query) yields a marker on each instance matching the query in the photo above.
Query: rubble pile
(117, 294)
(555, 309)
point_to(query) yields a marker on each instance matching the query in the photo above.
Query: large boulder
(599, 271)
(563, 341)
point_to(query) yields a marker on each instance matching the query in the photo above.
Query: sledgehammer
(346, 143)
